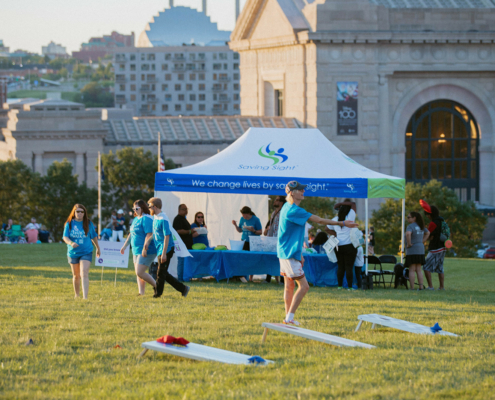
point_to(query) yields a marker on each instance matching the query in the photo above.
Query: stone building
(405, 87)
(39, 132)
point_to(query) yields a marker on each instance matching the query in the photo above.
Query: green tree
(129, 176)
(60, 190)
(16, 180)
(95, 95)
(465, 221)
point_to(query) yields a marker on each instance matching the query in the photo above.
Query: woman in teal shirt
(249, 225)
(80, 236)
(141, 233)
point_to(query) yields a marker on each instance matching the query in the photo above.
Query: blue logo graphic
(275, 156)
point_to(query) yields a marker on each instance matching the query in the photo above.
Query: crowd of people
(33, 232)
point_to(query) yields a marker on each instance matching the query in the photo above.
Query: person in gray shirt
(416, 236)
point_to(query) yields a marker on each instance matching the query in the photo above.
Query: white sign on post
(110, 255)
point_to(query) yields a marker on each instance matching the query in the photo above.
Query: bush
(465, 221)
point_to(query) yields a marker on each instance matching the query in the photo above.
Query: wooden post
(359, 326)
(265, 332)
(142, 353)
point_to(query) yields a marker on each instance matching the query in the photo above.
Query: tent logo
(350, 186)
(275, 156)
(171, 181)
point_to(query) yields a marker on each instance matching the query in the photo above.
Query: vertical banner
(347, 108)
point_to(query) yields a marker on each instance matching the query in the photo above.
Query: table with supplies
(226, 264)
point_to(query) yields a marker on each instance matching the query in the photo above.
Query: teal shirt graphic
(161, 228)
(77, 235)
(254, 222)
(291, 231)
(139, 229)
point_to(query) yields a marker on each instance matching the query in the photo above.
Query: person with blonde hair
(80, 236)
(290, 244)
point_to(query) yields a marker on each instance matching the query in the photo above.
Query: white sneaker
(291, 322)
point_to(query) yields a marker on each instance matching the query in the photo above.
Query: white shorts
(291, 268)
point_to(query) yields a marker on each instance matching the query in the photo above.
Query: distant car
(490, 253)
(482, 249)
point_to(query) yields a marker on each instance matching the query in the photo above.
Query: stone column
(384, 134)
(79, 167)
(38, 162)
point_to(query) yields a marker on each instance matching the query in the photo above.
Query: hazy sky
(31, 24)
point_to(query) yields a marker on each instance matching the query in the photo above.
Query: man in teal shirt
(164, 248)
(290, 244)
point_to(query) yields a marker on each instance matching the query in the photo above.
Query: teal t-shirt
(139, 229)
(291, 231)
(254, 222)
(161, 228)
(77, 235)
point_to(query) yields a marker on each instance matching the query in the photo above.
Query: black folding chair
(376, 272)
(386, 259)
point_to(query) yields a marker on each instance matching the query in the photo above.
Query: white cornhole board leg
(313, 335)
(200, 353)
(389, 322)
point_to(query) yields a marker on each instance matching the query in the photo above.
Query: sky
(31, 24)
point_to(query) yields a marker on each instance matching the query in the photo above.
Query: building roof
(177, 25)
(177, 130)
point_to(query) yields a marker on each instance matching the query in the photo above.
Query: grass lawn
(73, 355)
(39, 94)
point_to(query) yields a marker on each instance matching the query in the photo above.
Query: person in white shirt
(32, 225)
(346, 254)
(358, 266)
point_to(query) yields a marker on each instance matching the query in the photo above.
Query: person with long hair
(436, 249)
(346, 253)
(143, 246)
(416, 236)
(290, 244)
(80, 236)
(199, 222)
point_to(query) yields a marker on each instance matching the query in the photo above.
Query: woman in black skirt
(416, 236)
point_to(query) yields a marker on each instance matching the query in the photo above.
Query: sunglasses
(409, 217)
(200, 217)
(79, 211)
(136, 208)
(150, 206)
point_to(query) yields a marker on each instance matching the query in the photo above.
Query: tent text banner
(110, 255)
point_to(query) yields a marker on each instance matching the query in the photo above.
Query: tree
(94, 95)
(465, 221)
(129, 176)
(60, 190)
(16, 179)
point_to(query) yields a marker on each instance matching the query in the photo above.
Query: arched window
(442, 142)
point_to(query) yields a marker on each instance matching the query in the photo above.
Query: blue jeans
(180, 269)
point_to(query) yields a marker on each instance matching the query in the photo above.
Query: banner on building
(347, 108)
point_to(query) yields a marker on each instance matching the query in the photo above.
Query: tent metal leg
(359, 326)
(373, 326)
(265, 333)
(402, 230)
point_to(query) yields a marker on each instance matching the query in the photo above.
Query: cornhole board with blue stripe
(198, 352)
(313, 335)
(400, 324)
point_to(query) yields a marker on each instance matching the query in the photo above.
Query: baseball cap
(294, 185)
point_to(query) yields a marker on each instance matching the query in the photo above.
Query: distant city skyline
(29, 24)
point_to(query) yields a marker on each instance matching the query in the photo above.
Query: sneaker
(429, 288)
(340, 288)
(441, 288)
(292, 322)
(352, 289)
(186, 291)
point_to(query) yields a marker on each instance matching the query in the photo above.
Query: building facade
(39, 132)
(178, 80)
(99, 47)
(54, 50)
(405, 87)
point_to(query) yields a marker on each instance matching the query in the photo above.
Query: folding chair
(386, 259)
(376, 272)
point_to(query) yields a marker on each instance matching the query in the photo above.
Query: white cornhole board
(389, 322)
(198, 352)
(313, 335)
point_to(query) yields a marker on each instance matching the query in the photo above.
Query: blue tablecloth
(226, 264)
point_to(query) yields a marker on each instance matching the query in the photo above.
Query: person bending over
(290, 244)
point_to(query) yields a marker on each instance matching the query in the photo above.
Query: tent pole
(366, 230)
(402, 230)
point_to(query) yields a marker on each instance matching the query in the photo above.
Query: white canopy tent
(260, 163)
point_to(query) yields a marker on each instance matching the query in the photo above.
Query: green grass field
(73, 356)
(40, 94)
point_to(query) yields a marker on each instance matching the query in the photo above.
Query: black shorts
(414, 259)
